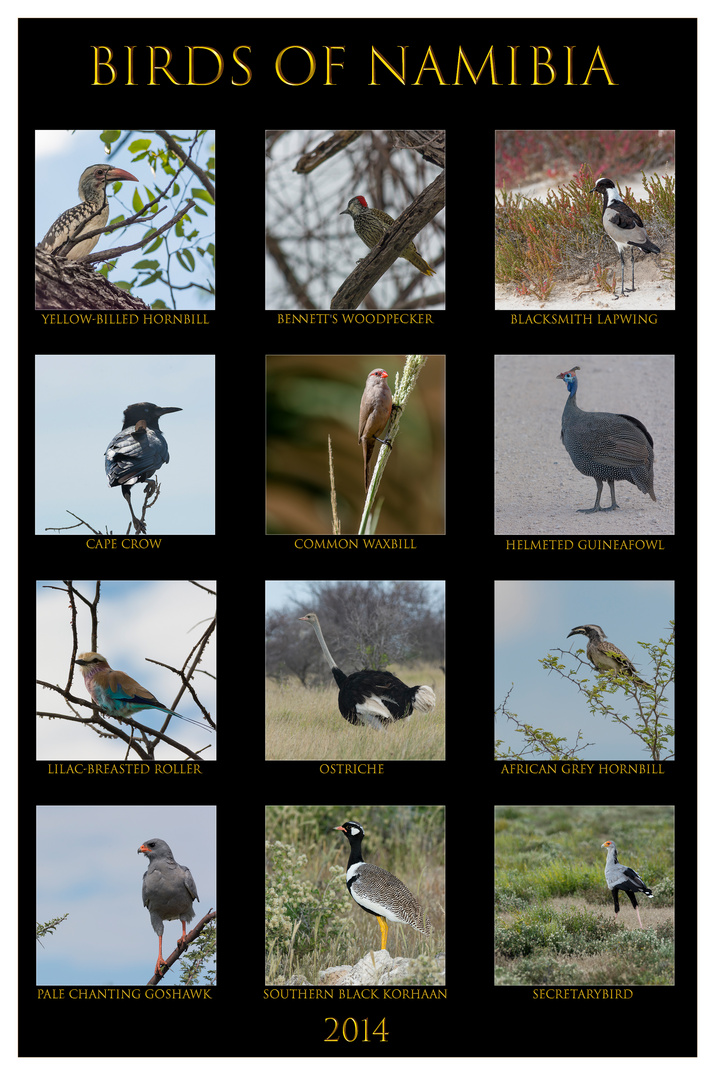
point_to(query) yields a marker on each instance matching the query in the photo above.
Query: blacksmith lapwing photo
(623, 226)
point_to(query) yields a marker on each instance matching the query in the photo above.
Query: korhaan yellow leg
(383, 930)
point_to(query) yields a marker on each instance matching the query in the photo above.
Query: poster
(225, 406)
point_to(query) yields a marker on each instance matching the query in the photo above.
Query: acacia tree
(605, 694)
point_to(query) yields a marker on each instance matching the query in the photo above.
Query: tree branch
(194, 933)
(370, 269)
(99, 720)
(187, 161)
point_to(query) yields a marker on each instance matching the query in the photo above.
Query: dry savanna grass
(305, 725)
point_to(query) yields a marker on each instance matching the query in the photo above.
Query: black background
(56, 56)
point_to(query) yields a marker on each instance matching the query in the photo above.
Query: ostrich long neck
(326, 652)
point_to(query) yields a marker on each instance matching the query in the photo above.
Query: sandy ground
(653, 291)
(537, 488)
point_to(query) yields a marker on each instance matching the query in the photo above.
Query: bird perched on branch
(137, 451)
(168, 890)
(371, 225)
(115, 693)
(92, 213)
(604, 656)
(606, 446)
(623, 226)
(375, 411)
(621, 878)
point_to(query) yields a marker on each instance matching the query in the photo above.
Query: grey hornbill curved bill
(375, 410)
(92, 213)
(606, 657)
(137, 451)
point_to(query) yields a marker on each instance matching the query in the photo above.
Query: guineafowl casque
(606, 446)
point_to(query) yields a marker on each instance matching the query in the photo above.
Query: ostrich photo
(374, 698)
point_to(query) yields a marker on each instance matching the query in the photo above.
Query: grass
(311, 922)
(554, 917)
(302, 724)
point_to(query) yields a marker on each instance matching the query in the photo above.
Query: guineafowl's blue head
(569, 379)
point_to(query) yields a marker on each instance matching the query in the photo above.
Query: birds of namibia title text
(298, 65)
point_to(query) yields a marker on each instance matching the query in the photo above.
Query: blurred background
(310, 249)
(312, 397)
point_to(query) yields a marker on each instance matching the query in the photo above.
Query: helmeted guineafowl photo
(606, 446)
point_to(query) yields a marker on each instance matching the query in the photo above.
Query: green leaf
(185, 258)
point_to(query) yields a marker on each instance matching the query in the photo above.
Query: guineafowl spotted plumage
(606, 446)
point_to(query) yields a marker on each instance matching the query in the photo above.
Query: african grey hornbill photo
(138, 451)
(604, 656)
(624, 227)
(90, 214)
(375, 411)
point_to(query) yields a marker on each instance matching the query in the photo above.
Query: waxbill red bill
(375, 409)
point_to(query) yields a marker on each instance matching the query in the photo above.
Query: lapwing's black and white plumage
(604, 656)
(379, 893)
(622, 879)
(623, 226)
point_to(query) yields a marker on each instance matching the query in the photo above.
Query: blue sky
(534, 617)
(88, 866)
(174, 614)
(61, 157)
(79, 405)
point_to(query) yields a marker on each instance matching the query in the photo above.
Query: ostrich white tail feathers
(374, 706)
(424, 699)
